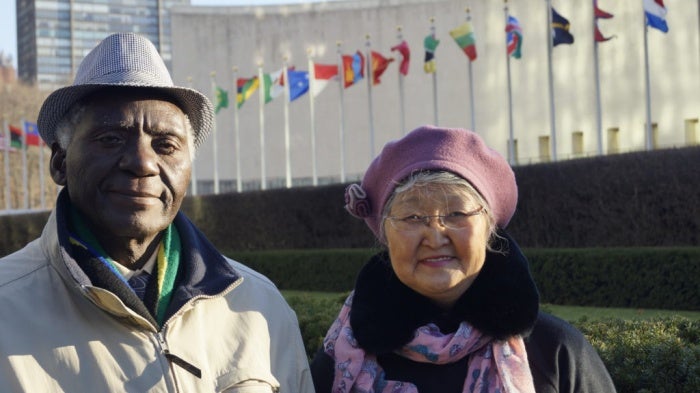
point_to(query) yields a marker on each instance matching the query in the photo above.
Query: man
(121, 293)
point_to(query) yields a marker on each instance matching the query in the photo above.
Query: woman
(450, 306)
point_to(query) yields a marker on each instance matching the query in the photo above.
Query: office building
(53, 36)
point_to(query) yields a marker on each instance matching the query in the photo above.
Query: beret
(430, 148)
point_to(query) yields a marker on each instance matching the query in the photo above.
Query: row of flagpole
(555, 22)
(654, 17)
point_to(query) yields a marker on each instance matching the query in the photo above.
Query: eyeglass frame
(427, 219)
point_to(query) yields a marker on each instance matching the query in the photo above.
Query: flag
(353, 68)
(298, 83)
(430, 44)
(600, 14)
(464, 37)
(514, 37)
(221, 99)
(599, 36)
(655, 12)
(405, 56)
(245, 87)
(323, 73)
(16, 137)
(273, 84)
(560, 29)
(379, 65)
(31, 131)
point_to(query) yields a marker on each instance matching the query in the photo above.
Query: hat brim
(194, 104)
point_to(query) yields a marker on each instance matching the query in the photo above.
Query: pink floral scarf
(495, 366)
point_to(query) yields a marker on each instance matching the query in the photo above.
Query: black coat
(503, 301)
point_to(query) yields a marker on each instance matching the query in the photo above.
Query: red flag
(405, 56)
(325, 71)
(599, 36)
(379, 65)
(600, 14)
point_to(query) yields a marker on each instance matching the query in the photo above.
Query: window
(577, 143)
(613, 140)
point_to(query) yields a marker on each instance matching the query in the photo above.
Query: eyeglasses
(415, 223)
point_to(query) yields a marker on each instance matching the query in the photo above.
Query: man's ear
(58, 164)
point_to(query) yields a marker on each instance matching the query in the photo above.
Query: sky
(8, 20)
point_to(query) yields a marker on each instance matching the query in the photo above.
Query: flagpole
(237, 131)
(312, 114)
(472, 111)
(261, 112)
(213, 136)
(598, 117)
(648, 134)
(511, 142)
(288, 164)
(6, 159)
(402, 103)
(368, 56)
(552, 120)
(25, 170)
(435, 95)
(193, 178)
(341, 82)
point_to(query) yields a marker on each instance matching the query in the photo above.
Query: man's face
(128, 164)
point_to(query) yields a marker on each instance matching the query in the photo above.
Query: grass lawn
(569, 313)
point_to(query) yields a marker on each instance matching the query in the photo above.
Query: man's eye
(109, 139)
(456, 214)
(412, 218)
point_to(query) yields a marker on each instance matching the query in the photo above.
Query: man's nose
(140, 158)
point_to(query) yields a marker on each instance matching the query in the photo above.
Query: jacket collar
(503, 301)
(203, 270)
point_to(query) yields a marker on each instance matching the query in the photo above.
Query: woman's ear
(58, 164)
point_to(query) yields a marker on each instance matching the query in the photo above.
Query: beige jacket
(58, 334)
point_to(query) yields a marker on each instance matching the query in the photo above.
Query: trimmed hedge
(661, 278)
(658, 355)
(640, 199)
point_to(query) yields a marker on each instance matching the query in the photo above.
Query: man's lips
(138, 197)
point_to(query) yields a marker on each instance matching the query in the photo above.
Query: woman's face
(434, 260)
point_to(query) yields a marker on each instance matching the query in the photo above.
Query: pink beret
(455, 150)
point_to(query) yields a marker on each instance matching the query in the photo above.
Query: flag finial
(234, 68)
(212, 74)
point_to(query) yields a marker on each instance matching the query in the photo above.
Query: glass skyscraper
(53, 36)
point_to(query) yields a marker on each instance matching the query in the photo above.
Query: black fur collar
(502, 301)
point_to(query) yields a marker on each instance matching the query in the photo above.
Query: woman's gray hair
(66, 127)
(421, 179)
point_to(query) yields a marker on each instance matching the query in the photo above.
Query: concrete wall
(216, 39)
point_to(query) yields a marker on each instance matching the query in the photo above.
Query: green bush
(660, 355)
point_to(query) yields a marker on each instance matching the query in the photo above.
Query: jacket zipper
(189, 367)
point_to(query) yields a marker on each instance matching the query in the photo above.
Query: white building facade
(554, 121)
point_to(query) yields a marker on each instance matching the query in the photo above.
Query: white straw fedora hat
(126, 60)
